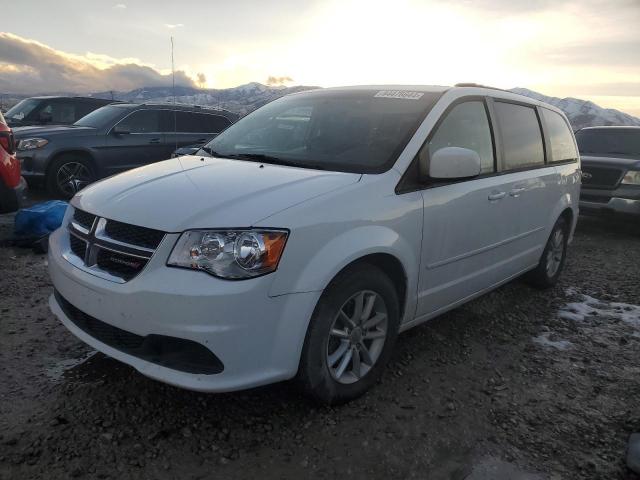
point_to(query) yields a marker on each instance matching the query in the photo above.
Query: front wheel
(68, 175)
(546, 274)
(350, 337)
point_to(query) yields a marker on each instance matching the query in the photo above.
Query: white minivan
(300, 241)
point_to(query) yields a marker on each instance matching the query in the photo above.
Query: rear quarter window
(560, 137)
(521, 136)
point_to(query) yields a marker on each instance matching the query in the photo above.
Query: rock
(633, 453)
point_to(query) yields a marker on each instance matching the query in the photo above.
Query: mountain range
(248, 97)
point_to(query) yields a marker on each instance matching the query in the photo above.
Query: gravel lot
(520, 384)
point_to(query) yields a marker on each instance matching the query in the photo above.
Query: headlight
(632, 177)
(32, 143)
(232, 254)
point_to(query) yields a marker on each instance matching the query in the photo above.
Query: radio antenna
(173, 92)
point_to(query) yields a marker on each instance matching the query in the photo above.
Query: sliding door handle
(154, 140)
(497, 196)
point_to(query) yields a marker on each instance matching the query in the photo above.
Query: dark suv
(610, 170)
(52, 110)
(110, 140)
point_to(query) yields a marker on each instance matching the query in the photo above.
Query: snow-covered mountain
(245, 98)
(583, 113)
(241, 99)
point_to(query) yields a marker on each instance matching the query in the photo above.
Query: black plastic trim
(170, 352)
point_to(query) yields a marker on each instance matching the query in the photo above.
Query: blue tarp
(40, 219)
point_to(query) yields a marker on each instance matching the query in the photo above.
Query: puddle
(59, 369)
(591, 307)
(491, 468)
(544, 340)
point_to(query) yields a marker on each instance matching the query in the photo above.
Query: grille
(118, 264)
(603, 177)
(79, 247)
(171, 352)
(113, 250)
(84, 219)
(141, 236)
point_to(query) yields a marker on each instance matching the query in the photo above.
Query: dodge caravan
(300, 241)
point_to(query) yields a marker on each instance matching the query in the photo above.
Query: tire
(68, 174)
(334, 343)
(546, 274)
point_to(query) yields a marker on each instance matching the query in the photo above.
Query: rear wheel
(546, 274)
(68, 175)
(350, 337)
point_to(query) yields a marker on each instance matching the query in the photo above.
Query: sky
(567, 48)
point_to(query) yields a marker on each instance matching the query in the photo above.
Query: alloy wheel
(357, 337)
(555, 253)
(72, 177)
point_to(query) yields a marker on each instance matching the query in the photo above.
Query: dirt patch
(510, 382)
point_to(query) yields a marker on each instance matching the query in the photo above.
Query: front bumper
(33, 163)
(625, 200)
(258, 338)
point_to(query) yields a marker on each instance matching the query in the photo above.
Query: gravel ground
(519, 384)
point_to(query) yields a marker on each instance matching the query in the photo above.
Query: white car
(305, 237)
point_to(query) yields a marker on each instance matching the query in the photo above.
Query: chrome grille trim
(102, 235)
(98, 241)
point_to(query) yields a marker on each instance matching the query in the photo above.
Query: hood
(51, 131)
(606, 161)
(196, 192)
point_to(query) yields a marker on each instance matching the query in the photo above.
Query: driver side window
(466, 126)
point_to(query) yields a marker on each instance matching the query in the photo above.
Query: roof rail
(186, 105)
(478, 85)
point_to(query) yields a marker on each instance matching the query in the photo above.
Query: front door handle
(154, 140)
(497, 196)
(517, 191)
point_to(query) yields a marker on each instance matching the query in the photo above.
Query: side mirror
(118, 130)
(454, 162)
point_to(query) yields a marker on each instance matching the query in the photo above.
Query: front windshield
(101, 117)
(609, 141)
(22, 109)
(341, 130)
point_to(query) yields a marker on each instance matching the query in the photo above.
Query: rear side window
(85, 108)
(562, 146)
(58, 112)
(187, 122)
(214, 123)
(521, 136)
(466, 126)
(142, 121)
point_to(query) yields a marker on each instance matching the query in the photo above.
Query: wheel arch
(84, 154)
(565, 207)
(391, 266)
(395, 254)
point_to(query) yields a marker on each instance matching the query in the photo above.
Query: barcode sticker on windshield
(399, 94)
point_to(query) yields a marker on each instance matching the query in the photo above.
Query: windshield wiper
(263, 158)
(273, 160)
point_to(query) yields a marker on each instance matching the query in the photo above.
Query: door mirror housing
(454, 162)
(118, 130)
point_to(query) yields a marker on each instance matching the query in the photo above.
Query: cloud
(278, 80)
(27, 66)
(120, 6)
(173, 26)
